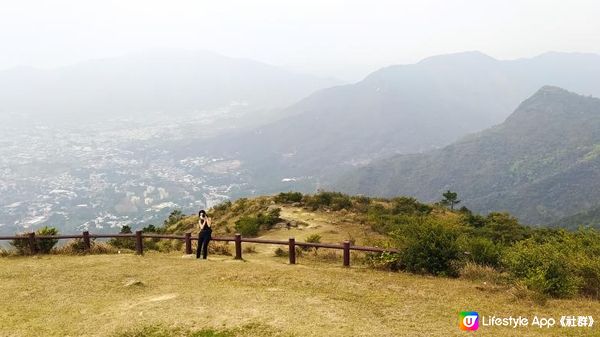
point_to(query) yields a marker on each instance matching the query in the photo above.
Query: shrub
(407, 205)
(270, 219)
(43, 246)
(280, 252)
(547, 268)
(21, 246)
(334, 201)
(251, 226)
(223, 206)
(247, 226)
(503, 228)
(153, 229)
(167, 246)
(481, 251)
(77, 246)
(219, 248)
(123, 243)
(313, 238)
(386, 261)
(174, 217)
(249, 249)
(429, 248)
(476, 272)
(361, 199)
(288, 197)
(589, 272)
(330, 256)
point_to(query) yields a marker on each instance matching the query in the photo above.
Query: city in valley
(99, 177)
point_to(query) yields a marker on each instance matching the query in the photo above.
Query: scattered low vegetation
(313, 238)
(438, 240)
(219, 248)
(43, 246)
(250, 226)
(77, 247)
(249, 249)
(434, 239)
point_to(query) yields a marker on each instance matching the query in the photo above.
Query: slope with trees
(541, 164)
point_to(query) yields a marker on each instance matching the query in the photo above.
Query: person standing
(204, 236)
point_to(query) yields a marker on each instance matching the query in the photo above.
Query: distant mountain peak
(551, 93)
(550, 105)
(541, 164)
(553, 90)
(467, 56)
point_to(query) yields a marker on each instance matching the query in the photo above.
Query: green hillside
(542, 164)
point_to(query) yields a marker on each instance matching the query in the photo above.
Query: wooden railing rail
(138, 236)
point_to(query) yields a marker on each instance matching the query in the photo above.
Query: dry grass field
(170, 295)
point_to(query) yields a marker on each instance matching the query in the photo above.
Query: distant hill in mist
(542, 164)
(400, 109)
(154, 82)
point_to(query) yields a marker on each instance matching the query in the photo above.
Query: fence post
(292, 252)
(139, 243)
(86, 241)
(346, 253)
(32, 245)
(188, 243)
(238, 246)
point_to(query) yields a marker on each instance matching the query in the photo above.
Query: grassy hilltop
(458, 261)
(264, 296)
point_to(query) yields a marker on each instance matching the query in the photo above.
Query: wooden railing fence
(139, 237)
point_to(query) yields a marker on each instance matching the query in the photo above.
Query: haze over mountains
(155, 82)
(155, 145)
(541, 164)
(399, 109)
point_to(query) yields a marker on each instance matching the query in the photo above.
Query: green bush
(503, 228)
(123, 243)
(223, 206)
(43, 246)
(589, 273)
(482, 251)
(247, 226)
(174, 217)
(429, 248)
(547, 267)
(407, 205)
(334, 201)
(270, 219)
(251, 226)
(386, 261)
(313, 238)
(288, 197)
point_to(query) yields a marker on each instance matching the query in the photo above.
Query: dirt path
(314, 224)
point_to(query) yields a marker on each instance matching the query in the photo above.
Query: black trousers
(203, 240)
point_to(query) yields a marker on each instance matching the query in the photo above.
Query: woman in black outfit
(205, 233)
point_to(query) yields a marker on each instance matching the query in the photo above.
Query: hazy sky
(339, 38)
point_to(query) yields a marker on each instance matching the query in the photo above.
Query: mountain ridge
(150, 82)
(540, 164)
(396, 110)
